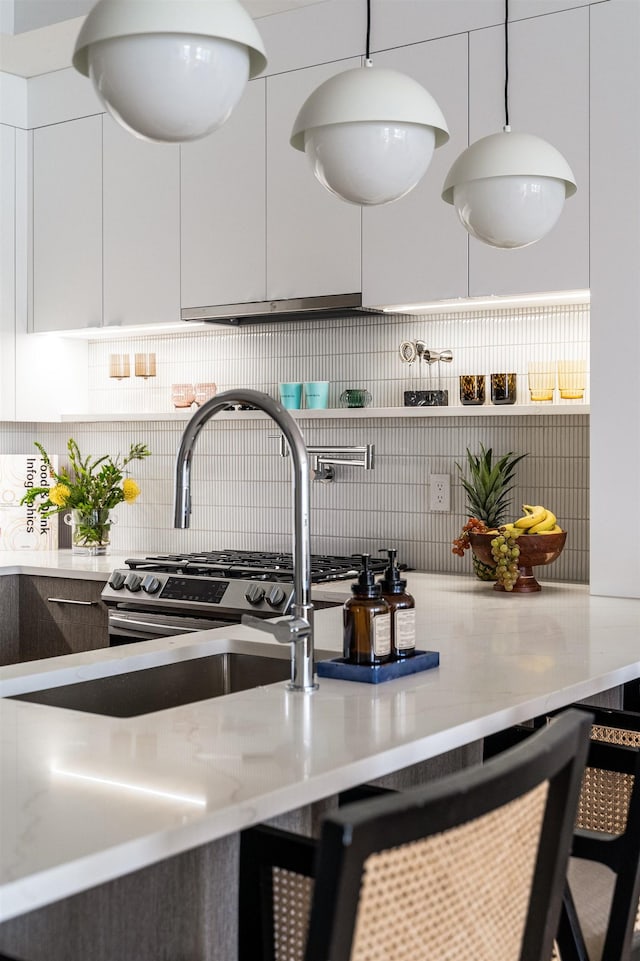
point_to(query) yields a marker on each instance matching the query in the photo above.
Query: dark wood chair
(471, 866)
(600, 919)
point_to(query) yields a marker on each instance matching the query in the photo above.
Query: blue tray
(341, 670)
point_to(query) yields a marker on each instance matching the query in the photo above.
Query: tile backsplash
(351, 352)
(241, 485)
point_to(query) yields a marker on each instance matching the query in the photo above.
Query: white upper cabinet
(549, 97)
(67, 225)
(313, 239)
(141, 224)
(414, 249)
(7, 270)
(223, 227)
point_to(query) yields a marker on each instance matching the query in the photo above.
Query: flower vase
(90, 531)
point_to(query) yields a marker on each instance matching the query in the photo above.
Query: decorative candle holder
(472, 389)
(145, 365)
(503, 388)
(119, 366)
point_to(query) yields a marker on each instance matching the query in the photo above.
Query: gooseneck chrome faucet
(297, 630)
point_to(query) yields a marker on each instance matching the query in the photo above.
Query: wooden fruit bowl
(535, 550)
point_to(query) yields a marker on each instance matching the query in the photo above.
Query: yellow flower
(130, 490)
(59, 495)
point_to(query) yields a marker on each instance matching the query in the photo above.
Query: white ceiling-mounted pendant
(509, 188)
(369, 134)
(169, 71)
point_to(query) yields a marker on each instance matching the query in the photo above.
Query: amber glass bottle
(367, 622)
(402, 608)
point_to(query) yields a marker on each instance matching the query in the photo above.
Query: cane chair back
(601, 917)
(470, 866)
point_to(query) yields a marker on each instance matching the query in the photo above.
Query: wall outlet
(439, 492)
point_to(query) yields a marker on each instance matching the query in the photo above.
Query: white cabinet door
(413, 250)
(7, 270)
(549, 97)
(223, 228)
(141, 229)
(313, 239)
(67, 225)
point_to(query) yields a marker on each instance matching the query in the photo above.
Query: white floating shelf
(569, 409)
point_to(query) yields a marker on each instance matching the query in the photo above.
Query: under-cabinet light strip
(476, 303)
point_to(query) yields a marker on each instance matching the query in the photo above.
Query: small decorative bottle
(402, 608)
(367, 622)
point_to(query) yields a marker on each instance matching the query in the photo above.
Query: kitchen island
(94, 809)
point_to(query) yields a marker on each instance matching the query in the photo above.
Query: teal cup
(316, 394)
(291, 396)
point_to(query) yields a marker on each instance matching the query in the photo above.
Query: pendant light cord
(368, 39)
(506, 64)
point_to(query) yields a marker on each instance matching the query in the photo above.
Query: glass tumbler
(204, 392)
(542, 381)
(182, 395)
(572, 379)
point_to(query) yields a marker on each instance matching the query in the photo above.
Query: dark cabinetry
(49, 616)
(9, 619)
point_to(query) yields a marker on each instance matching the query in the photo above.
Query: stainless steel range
(174, 594)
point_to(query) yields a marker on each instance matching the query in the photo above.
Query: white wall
(615, 291)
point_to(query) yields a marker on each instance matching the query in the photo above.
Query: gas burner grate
(253, 565)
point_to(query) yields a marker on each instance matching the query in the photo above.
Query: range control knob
(254, 593)
(275, 596)
(132, 582)
(151, 584)
(116, 581)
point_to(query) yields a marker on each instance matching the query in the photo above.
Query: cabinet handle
(65, 600)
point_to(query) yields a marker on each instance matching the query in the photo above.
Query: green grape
(505, 552)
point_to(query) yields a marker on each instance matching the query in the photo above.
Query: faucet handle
(286, 630)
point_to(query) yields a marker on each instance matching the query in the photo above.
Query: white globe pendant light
(369, 133)
(169, 70)
(509, 189)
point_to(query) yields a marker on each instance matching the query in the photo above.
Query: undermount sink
(169, 685)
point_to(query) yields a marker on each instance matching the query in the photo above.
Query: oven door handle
(158, 627)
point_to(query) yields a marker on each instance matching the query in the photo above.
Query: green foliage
(92, 484)
(488, 484)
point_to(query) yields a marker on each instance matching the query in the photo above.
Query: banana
(533, 515)
(554, 530)
(546, 524)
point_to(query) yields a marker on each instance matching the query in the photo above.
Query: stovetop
(252, 565)
(226, 583)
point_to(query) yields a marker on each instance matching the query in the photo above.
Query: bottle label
(381, 634)
(405, 629)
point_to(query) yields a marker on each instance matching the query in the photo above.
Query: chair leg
(569, 937)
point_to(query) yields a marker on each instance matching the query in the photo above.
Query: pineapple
(488, 486)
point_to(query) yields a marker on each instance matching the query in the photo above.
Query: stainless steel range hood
(301, 308)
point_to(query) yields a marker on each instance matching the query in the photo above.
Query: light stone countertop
(87, 798)
(61, 563)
